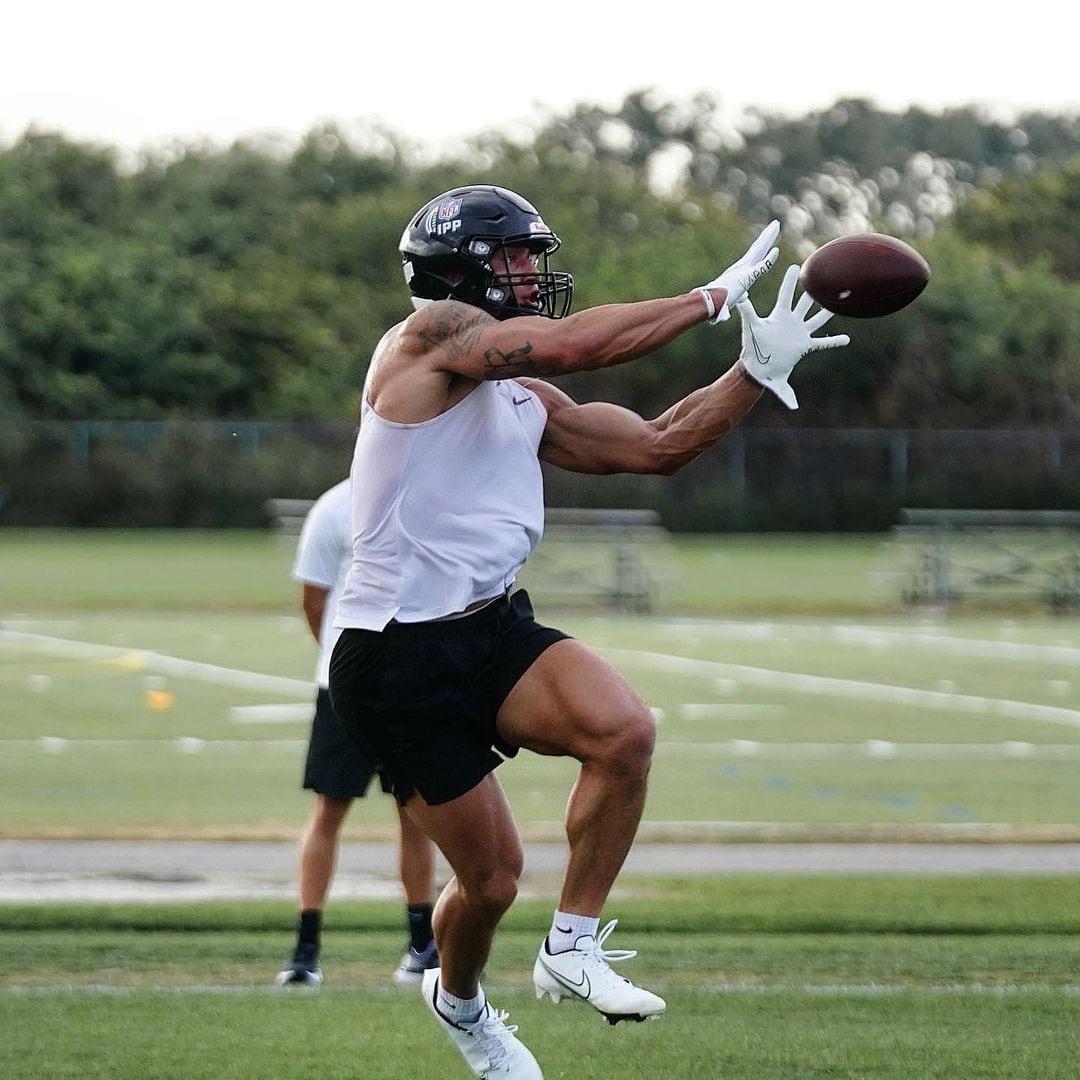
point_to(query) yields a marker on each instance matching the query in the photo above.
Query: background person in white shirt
(336, 770)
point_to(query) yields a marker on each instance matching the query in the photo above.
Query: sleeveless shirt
(446, 511)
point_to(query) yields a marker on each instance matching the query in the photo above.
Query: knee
(496, 891)
(639, 737)
(628, 746)
(495, 887)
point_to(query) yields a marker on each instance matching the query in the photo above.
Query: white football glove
(771, 347)
(737, 278)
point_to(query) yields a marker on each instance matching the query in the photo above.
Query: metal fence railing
(222, 472)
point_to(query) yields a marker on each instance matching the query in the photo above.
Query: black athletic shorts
(422, 697)
(335, 765)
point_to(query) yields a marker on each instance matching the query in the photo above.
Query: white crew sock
(566, 929)
(460, 1010)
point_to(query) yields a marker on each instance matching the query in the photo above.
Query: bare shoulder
(465, 340)
(448, 326)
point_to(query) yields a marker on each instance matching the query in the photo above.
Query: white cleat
(583, 974)
(488, 1044)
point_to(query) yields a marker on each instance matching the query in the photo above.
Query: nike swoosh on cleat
(583, 988)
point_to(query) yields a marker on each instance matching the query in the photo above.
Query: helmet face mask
(450, 250)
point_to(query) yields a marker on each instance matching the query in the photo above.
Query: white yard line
(816, 989)
(878, 693)
(721, 711)
(825, 686)
(143, 660)
(741, 748)
(874, 638)
(871, 748)
(186, 744)
(270, 714)
(957, 646)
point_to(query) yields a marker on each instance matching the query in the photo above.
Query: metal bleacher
(588, 557)
(993, 556)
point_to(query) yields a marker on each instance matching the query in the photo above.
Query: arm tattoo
(454, 333)
(510, 365)
(457, 329)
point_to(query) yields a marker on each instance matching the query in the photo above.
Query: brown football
(865, 275)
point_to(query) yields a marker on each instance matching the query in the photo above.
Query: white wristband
(715, 316)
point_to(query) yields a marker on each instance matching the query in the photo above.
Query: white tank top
(444, 512)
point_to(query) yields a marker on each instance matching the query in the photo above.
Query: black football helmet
(448, 252)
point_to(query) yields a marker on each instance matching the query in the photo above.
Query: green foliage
(1028, 220)
(254, 281)
(991, 343)
(197, 286)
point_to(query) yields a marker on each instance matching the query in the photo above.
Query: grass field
(130, 666)
(778, 977)
(149, 570)
(790, 694)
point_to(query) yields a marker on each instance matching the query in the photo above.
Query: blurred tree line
(246, 283)
(249, 282)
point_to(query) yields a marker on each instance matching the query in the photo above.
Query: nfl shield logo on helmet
(450, 209)
(445, 218)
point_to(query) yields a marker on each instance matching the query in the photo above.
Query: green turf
(147, 570)
(822, 904)
(778, 608)
(888, 976)
(777, 575)
(50, 570)
(778, 977)
(128, 767)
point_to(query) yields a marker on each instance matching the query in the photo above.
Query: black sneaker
(303, 969)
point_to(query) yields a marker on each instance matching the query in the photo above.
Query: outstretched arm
(602, 438)
(459, 339)
(462, 340)
(420, 365)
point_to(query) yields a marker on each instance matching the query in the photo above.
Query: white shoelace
(490, 1031)
(598, 955)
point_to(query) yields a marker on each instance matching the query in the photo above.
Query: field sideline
(765, 977)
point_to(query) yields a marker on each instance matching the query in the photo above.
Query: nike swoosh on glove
(772, 346)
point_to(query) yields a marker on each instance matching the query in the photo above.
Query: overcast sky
(137, 73)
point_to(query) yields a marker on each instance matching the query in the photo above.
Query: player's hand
(771, 347)
(737, 278)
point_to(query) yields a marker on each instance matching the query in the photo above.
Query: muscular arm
(462, 340)
(604, 438)
(313, 601)
(433, 359)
